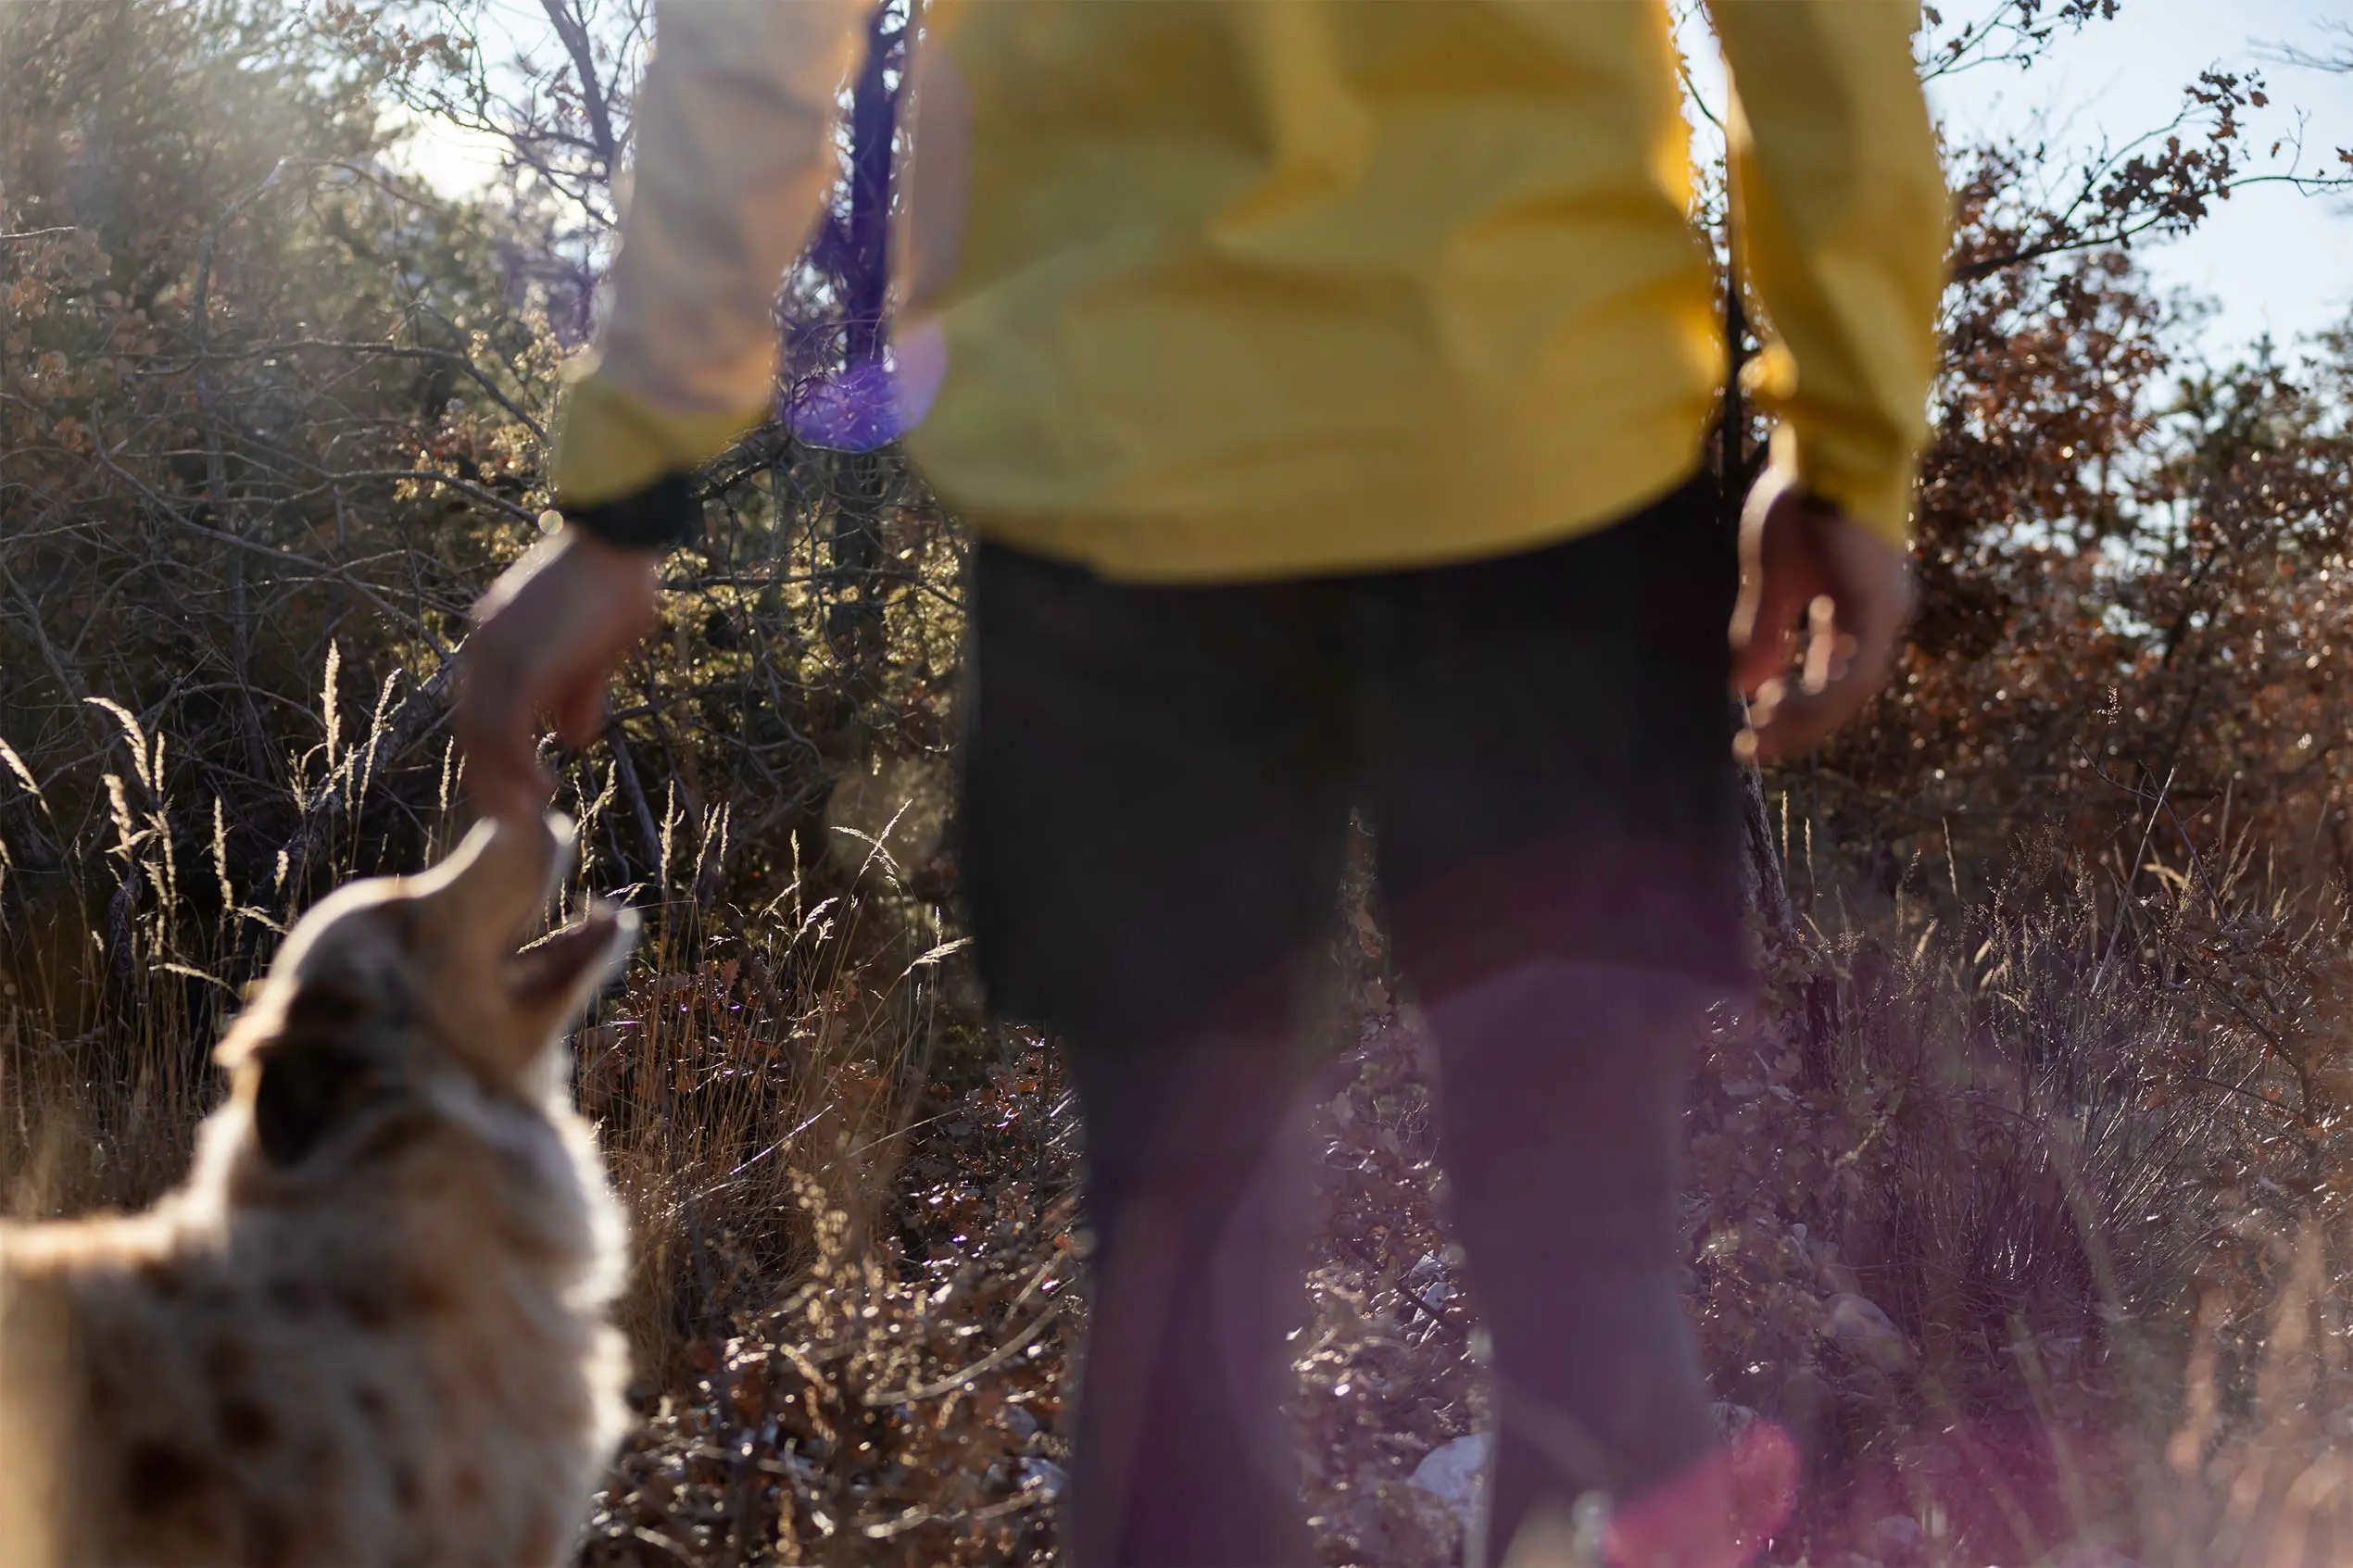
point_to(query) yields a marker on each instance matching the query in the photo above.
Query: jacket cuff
(663, 516)
(610, 444)
(1881, 503)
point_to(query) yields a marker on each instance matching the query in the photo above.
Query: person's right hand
(1802, 560)
(549, 634)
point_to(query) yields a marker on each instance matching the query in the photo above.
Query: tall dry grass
(2077, 1141)
(766, 1082)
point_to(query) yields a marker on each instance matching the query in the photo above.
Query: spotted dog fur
(372, 1326)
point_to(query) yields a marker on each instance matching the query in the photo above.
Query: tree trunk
(854, 621)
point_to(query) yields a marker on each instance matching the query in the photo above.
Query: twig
(391, 350)
(592, 94)
(655, 1539)
(1415, 1298)
(986, 1364)
(164, 505)
(2132, 875)
(625, 765)
(472, 492)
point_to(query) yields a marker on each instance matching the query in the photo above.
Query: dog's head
(391, 984)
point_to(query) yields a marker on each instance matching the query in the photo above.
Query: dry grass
(844, 1192)
(2089, 1166)
(2084, 1154)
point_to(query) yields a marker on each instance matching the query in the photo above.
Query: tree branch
(575, 33)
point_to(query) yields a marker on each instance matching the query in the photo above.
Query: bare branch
(2337, 58)
(574, 34)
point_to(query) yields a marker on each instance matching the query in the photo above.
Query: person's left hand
(1802, 558)
(549, 634)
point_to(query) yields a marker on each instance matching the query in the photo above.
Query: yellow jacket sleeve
(734, 158)
(1844, 225)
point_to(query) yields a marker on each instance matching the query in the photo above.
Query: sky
(2267, 260)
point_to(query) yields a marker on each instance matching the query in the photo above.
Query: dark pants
(1157, 783)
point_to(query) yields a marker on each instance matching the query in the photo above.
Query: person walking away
(1323, 385)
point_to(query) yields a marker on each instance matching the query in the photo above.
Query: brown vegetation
(2048, 1076)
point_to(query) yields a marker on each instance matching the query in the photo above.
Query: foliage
(2129, 587)
(283, 399)
(2049, 1068)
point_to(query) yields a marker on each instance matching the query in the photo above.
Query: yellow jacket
(1249, 288)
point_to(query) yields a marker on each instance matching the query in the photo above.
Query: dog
(373, 1326)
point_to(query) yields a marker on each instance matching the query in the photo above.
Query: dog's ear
(553, 979)
(545, 987)
(315, 1073)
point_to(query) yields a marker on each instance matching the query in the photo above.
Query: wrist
(602, 558)
(661, 516)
